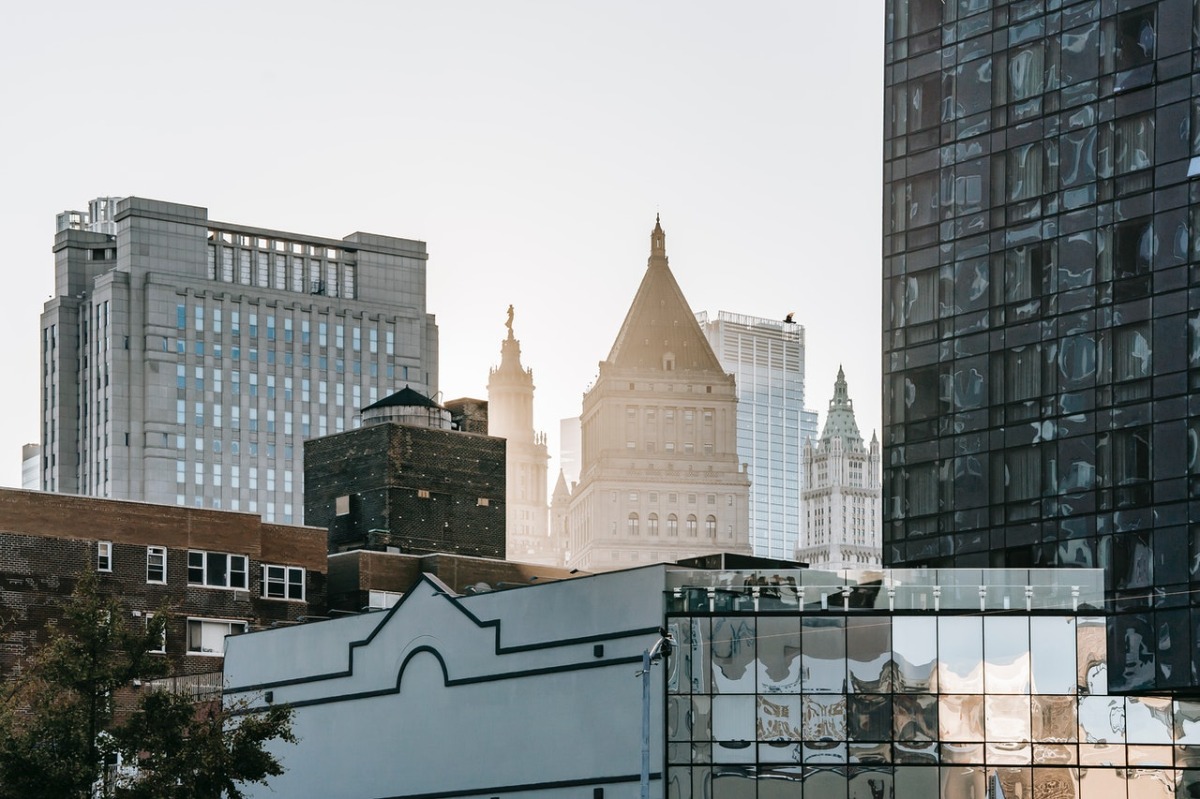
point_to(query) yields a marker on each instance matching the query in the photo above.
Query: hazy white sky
(529, 143)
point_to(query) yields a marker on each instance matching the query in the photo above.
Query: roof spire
(840, 422)
(658, 244)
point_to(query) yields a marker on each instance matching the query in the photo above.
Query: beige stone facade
(660, 476)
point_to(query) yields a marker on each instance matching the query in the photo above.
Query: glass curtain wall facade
(1041, 314)
(766, 357)
(805, 690)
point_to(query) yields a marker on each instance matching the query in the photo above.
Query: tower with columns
(510, 416)
(841, 499)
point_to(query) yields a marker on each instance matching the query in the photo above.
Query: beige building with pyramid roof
(660, 476)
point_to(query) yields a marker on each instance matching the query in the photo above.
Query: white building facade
(842, 494)
(525, 693)
(185, 360)
(766, 358)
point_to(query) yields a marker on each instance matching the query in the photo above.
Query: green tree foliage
(75, 708)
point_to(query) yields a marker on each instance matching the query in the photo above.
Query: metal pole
(646, 724)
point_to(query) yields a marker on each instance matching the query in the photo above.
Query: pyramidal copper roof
(660, 332)
(840, 422)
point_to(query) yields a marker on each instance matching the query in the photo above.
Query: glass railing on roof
(723, 591)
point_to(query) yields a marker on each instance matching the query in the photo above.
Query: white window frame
(151, 552)
(382, 600)
(104, 556)
(229, 624)
(282, 582)
(230, 573)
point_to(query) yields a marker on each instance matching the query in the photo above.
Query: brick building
(216, 572)
(407, 481)
(366, 580)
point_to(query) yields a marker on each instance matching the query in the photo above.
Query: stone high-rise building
(660, 476)
(841, 496)
(185, 360)
(510, 416)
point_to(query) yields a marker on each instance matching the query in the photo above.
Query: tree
(76, 707)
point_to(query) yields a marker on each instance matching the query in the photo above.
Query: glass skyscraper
(766, 357)
(1041, 327)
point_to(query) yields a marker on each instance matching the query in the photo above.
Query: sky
(530, 144)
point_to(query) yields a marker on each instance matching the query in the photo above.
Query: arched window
(672, 525)
(710, 527)
(652, 524)
(691, 526)
(633, 524)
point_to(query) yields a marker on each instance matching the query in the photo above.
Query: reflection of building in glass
(841, 492)
(1040, 315)
(766, 358)
(660, 477)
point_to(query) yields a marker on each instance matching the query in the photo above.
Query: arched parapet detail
(420, 650)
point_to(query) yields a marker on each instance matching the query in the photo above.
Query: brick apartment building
(216, 572)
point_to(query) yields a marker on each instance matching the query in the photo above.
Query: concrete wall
(524, 692)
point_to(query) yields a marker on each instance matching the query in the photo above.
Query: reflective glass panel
(779, 654)
(915, 717)
(1095, 783)
(1153, 783)
(1007, 717)
(779, 717)
(732, 783)
(733, 647)
(824, 718)
(1148, 720)
(779, 752)
(1054, 719)
(1187, 722)
(960, 654)
(869, 717)
(1052, 656)
(679, 783)
(779, 783)
(1102, 719)
(1006, 653)
(963, 782)
(867, 783)
(1092, 652)
(869, 653)
(915, 781)
(701, 720)
(824, 753)
(823, 651)
(960, 717)
(915, 653)
(692, 656)
(733, 717)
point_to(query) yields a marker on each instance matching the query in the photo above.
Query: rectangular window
(217, 569)
(104, 556)
(207, 636)
(156, 564)
(283, 582)
(159, 647)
